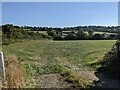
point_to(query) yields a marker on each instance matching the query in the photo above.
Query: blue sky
(60, 14)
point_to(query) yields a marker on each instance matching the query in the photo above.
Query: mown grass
(47, 56)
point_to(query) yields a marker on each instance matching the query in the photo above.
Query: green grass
(47, 56)
(45, 52)
(94, 32)
(102, 33)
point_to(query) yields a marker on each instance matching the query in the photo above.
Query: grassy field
(45, 33)
(48, 57)
(94, 32)
(103, 33)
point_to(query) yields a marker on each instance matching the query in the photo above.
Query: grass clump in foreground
(36, 70)
(76, 80)
(33, 71)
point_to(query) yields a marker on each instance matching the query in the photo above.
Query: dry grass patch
(14, 73)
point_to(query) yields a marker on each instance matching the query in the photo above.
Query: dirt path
(52, 81)
(56, 81)
(98, 78)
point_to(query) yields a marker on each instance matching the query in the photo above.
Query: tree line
(13, 33)
(112, 29)
(81, 35)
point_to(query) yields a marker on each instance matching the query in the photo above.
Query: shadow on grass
(105, 81)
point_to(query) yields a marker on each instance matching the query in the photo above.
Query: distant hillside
(112, 29)
(11, 33)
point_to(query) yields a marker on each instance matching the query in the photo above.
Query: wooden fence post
(2, 68)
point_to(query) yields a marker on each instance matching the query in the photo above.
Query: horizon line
(62, 26)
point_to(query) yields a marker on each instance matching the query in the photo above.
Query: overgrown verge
(14, 73)
(110, 64)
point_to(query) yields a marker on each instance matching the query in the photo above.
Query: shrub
(110, 64)
(57, 38)
(81, 35)
(71, 37)
(97, 37)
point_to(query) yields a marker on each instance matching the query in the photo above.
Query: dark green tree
(51, 32)
(118, 34)
(97, 37)
(90, 33)
(81, 35)
(71, 37)
(8, 29)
